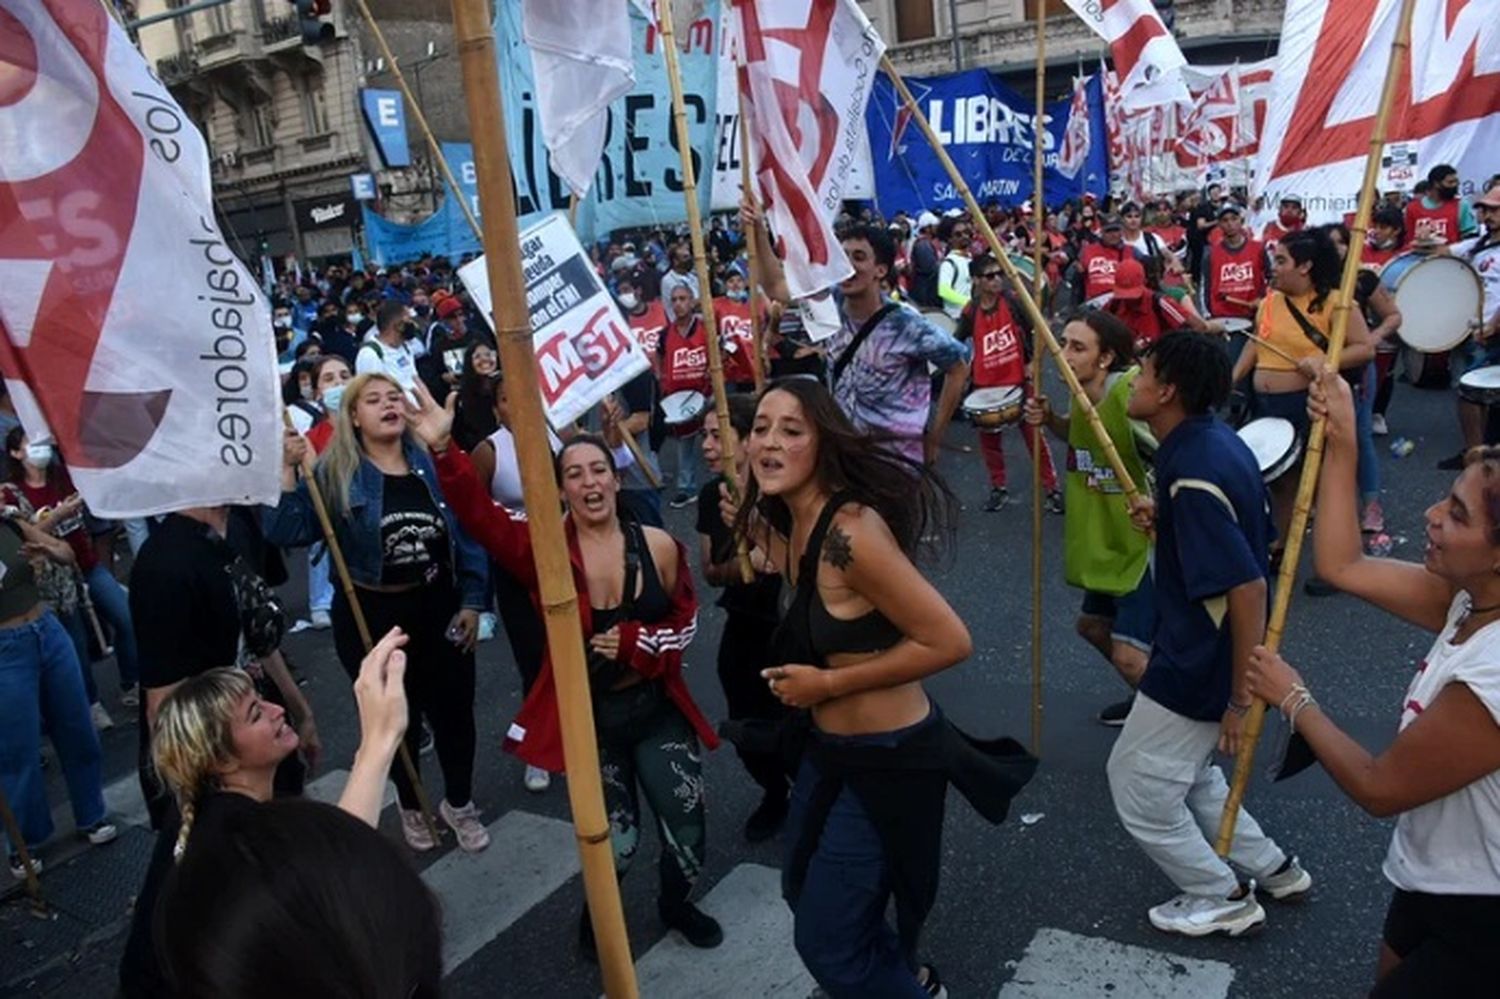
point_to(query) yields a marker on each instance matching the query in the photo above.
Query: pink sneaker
(415, 830)
(1373, 521)
(472, 835)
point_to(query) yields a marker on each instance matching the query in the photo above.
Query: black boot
(696, 926)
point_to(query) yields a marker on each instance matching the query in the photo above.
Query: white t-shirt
(505, 482)
(1451, 846)
(954, 270)
(1487, 263)
(398, 362)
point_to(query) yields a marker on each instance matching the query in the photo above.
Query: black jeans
(745, 650)
(439, 679)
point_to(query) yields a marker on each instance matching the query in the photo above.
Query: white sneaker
(130, 696)
(537, 780)
(18, 869)
(321, 621)
(1287, 883)
(472, 835)
(487, 624)
(1200, 915)
(414, 830)
(1377, 425)
(100, 832)
(102, 720)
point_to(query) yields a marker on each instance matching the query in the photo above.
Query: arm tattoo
(836, 549)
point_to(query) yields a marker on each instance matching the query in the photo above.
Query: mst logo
(689, 360)
(1000, 342)
(1238, 272)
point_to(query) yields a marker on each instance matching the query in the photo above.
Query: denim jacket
(293, 522)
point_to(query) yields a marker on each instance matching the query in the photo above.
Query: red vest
(1273, 234)
(1375, 258)
(647, 326)
(999, 356)
(736, 334)
(684, 359)
(1441, 222)
(1099, 263)
(1235, 274)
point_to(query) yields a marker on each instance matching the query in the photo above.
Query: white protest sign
(584, 348)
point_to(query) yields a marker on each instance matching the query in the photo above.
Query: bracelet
(1296, 691)
(1307, 702)
(1239, 709)
(1301, 699)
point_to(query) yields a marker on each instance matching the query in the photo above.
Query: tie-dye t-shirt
(887, 385)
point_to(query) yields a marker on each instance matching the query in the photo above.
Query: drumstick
(1278, 351)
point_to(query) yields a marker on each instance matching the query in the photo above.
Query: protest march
(424, 502)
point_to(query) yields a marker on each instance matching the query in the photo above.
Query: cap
(953, 213)
(926, 219)
(1230, 208)
(1290, 199)
(1489, 199)
(382, 271)
(1110, 221)
(447, 306)
(1130, 279)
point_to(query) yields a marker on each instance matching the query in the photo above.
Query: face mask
(353, 318)
(307, 391)
(281, 322)
(742, 295)
(1289, 218)
(332, 396)
(39, 455)
(1447, 193)
(628, 301)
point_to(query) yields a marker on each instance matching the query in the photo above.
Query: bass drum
(1426, 370)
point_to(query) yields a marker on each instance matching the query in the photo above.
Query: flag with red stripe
(1146, 56)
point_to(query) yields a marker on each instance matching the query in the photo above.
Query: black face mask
(1447, 193)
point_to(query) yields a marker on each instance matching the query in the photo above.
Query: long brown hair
(914, 501)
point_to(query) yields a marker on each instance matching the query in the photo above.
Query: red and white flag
(1326, 91)
(809, 66)
(1076, 134)
(1146, 56)
(581, 61)
(129, 332)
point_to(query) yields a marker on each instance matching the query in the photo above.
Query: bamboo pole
(366, 641)
(559, 597)
(700, 265)
(1039, 218)
(1276, 628)
(1033, 311)
(435, 150)
(757, 350)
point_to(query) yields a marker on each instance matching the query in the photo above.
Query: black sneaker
(998, 499)
(1114, 716)
(1054, 502)
(1452, 464)
(766, 820)
(683, 499)
(930, 983)
(696, 926)
(1316, 586)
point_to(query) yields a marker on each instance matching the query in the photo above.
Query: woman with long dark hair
(844, 514)
(475, 418)
(1297, 317)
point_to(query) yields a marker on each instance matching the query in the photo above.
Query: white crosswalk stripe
(1058, 963)
(328, 787)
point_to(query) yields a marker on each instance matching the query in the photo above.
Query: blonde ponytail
(192, 741)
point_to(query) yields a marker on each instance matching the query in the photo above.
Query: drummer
(1234, 269)
(1483, 254)
(1296, 320)
(1000, 332)
(1147, 311)
(681, 361)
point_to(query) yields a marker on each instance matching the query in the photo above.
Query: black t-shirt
(1205, 212)
(182, 603)
(413, 533)
(757, 599)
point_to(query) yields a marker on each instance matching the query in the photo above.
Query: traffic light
(310, 15)
(1167, 10)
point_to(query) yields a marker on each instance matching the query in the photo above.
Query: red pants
(994, 456)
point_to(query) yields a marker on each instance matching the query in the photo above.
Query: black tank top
(652, 604)
(808, 634)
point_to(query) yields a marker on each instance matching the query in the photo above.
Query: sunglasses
(991, 274)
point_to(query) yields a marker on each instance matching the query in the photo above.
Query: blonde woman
(217, 744)
(414, 568)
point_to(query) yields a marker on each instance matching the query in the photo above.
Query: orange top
(1275, 323)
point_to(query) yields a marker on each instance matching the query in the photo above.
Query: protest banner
(988, 131)
(584, 348)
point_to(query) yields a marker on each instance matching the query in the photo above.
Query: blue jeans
(112, 606)
(40, 679)
(690, 464)
(841, 930)
(77, 628)
(319, 584)
(1364, 429)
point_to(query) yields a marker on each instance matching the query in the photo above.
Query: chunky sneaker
(130, 696)
(100, 832)
(683, 499)
(537, 780)
(18, 869)
(1114, 716)
(696, 926)
(321, 621)
(931, 984)
(1373, 520)
(1287, 882)
(1054, 502)
(998, 499)
(1200, 915)
(1378, 426)
(102, 721)
(767, 818)
(414, 830)
(472, 835)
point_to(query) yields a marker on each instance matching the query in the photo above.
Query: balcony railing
(176, 68)
(277, 30)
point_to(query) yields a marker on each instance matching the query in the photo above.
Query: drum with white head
(681, 411)
(1481, 386)
(1274, 443)
(1440, 298)
(994, 408)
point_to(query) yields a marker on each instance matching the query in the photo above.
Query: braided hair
(193, 738)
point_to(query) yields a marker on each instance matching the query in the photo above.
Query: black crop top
(652, 604)
(808, 634)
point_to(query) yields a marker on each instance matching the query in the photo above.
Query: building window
(262, 125)
(915, 20)
(220, 22)
(314, 105)
(1055, 8)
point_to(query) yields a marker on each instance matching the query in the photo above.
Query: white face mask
(307, 390)
(332, 396)
(628, 301)
(39, 455)
(354, 318)
(281, 322)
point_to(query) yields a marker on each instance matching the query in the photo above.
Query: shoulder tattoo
(837, 550)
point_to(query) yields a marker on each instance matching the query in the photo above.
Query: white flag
(1146, 56)
(581, 61)
(809, 67)
(128, 330)
(1326, 91)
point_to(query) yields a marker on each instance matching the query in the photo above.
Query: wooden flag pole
(1033, 312)
(757, 348)
(1039, 214)
(700, 265)
(1286, 578)
(559, 597)
(366, 640)
(433, 149)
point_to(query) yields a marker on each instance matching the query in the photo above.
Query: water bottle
(1401, 447)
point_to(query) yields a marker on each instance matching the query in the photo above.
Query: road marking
(529, 857)
(125, 803)
(1058, 963)
(757, 957)
(328, 787)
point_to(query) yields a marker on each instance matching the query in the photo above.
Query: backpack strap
(858, 341)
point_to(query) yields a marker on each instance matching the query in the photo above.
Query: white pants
(1169, 796)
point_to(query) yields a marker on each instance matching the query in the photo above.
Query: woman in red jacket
(639, 616)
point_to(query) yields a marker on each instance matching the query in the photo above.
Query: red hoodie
(653, 650)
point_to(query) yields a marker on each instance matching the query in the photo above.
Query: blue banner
(460, 157)
(987, 129)
(639, 182)
(385, 116)
(444, 233)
